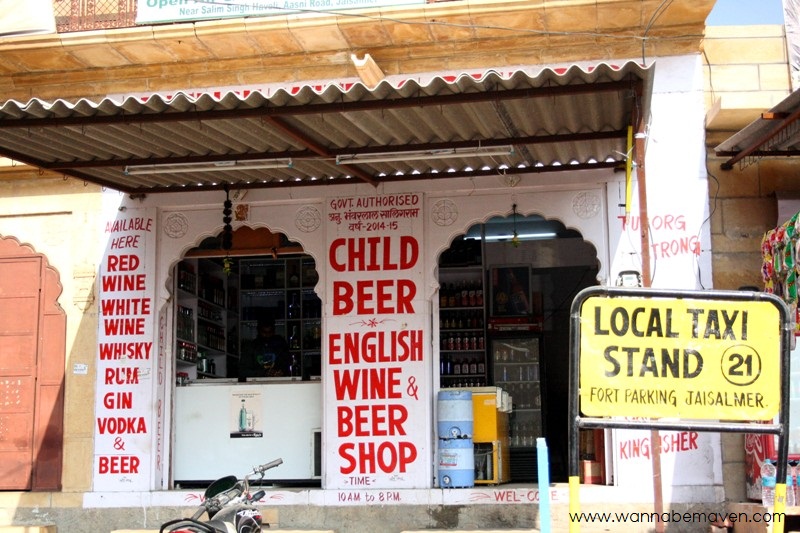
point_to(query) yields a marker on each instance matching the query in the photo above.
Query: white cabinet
(287, 417)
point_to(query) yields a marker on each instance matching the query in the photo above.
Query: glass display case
(516, 369)
(284, 289)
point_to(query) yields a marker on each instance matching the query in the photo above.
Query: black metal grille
(85, 15)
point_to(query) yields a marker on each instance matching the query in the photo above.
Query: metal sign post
(679, 361)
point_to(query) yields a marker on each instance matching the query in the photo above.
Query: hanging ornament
(515, 237)
(227, 232)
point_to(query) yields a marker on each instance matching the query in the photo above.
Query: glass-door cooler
(516, 368)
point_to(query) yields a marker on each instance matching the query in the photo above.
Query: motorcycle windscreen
(220, 485)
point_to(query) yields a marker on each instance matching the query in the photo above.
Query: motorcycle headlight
(248, 521)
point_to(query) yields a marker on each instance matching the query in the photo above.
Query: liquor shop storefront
(365, 224)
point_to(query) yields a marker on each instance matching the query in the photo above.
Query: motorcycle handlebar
(263, 468)
(226, 496)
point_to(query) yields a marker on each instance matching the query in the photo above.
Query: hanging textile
(779, 250)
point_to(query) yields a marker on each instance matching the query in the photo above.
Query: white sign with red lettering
(125, 355)
(377, 371)
(687, 458)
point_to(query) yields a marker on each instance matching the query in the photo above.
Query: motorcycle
(229, 505)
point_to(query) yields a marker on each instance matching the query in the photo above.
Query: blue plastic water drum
(454, 414)
(456, 463)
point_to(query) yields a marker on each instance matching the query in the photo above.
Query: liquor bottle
(242, 417)
(451, 295)
(294, 277)
(310, 276)
(294, 339)
(294, 307)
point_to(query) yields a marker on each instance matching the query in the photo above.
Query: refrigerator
(517, 369)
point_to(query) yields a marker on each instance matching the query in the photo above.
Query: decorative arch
(34, 337)
(582, 210)
(461, 230)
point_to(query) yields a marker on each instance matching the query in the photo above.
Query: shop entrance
(504, 322)
(248, 329)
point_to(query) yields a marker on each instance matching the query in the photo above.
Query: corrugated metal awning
(555, 119)
(775, 133)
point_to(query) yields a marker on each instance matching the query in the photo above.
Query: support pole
(644, 224)
(544, 485)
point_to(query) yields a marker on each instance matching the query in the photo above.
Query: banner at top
(157, 11)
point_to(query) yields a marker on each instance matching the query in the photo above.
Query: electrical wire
(656, 15)
(713, 206)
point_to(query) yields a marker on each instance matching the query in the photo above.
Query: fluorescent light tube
(218, 166)
(521, 236)
(417, 155)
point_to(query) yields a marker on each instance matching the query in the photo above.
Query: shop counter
(226, 428)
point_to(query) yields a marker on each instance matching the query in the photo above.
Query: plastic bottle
(791, 487)
(768, 479)
(243, 419)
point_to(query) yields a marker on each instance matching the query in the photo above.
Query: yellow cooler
(491, 407)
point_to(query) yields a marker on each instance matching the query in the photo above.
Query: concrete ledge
(156, 531)
(29, 529)
(473, 531)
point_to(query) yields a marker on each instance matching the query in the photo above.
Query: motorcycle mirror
(220, 485)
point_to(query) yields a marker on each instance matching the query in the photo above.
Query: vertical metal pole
(644, 225)
(783, 436)
(544, 481)
(572, 413)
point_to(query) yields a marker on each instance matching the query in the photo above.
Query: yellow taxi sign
(690, 358)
